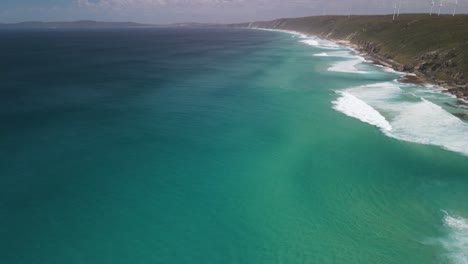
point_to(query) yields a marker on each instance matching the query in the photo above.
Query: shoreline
(406, 77)
(409, 76)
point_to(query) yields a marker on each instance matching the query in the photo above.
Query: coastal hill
(433, 47)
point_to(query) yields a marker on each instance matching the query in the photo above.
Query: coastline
(409, 76)
(415, 44)
(405, 76)
(402, 119)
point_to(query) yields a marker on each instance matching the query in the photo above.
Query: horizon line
(194, 22)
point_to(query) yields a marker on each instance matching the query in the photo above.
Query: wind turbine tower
(394, 10)
(440, 7)
(432, 7)
(455, 7)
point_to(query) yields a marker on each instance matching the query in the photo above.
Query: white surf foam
(391, 70)
(415, 120)
(377, 93)
(427, 123)
(348, 66)
(307, 39)
(294, 33)
(320, 43)
(456, 244)
(323, 54)
(339, 54)
(311, 42)
(354, 107)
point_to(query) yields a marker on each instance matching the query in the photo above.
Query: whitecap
(377, 92)
(347, 66)
(456, 243)
(311, 42)
(339, 54)
(321, 43)
(354, 107)
(427, 123)
(323, 54)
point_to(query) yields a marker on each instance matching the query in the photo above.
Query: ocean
(222, 146)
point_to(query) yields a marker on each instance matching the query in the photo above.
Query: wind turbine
(394, 9)
(455, 7)
(440, 7)
(432, 6)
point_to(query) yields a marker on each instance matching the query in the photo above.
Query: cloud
(136, 4)
(144, 4)
(119, 3)
(246, 10)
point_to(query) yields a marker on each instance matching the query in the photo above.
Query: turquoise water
(221, 146)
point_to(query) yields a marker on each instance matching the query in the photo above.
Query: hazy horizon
(182, 22)
(205, 11)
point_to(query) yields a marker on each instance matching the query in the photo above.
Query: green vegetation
(436, 47)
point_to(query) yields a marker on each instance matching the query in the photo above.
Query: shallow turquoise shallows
(221, 146)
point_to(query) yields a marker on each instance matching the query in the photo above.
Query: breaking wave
(348, 66)
(338, 54)
(402, 115)
(320, 43)
(354, 107)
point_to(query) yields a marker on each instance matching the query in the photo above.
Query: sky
(216, 11)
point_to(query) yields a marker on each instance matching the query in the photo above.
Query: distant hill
(434, 47)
